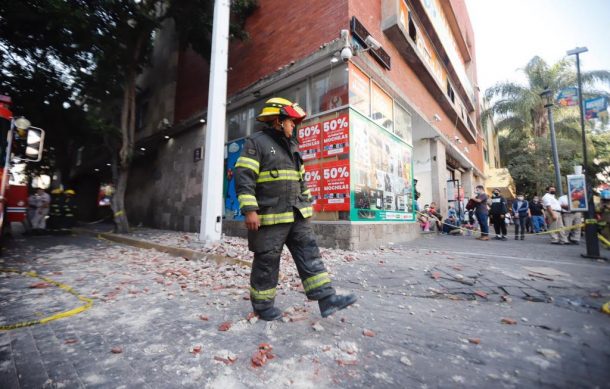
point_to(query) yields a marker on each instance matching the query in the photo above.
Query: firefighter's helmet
(70, 192)
(56, 191)
(280, 107)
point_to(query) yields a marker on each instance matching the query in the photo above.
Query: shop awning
(501, 179)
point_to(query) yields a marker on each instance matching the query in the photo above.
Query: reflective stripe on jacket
(269, 179)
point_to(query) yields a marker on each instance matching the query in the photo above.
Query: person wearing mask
(276, 202)
(537, 212)
(521, 211)
(481, 211)
(553, 211)
(570, 219)
(498, 214)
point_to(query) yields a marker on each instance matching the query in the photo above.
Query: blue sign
(596, 107)
(567, 97)
(232, 153)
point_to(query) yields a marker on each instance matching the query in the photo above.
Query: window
(329, 90)
(359, 91)
(240, 123)
(382, 108)
(403, 127)
(296, 94)
(450, 92)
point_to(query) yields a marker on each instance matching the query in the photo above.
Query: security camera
(372, 43)
(346, 54)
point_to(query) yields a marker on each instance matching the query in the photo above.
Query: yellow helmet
(56, 191)
(70, 192)
(278, 106)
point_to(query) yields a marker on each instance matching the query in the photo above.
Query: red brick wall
(191, 85)
(280, 32)
(283, 31)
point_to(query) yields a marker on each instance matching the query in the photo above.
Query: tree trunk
(128, 122)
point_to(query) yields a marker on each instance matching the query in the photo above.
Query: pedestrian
(572, 219)
(436, 216)
(498, 214)
(553, 211)
(481, 211)
(537, 212)
(521, 211)
(276, 203)
(56, 210)
(38, 210)
(69, 210)
(424, 219)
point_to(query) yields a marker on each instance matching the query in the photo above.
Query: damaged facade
(407, 110)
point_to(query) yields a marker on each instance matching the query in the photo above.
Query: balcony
(400, 28)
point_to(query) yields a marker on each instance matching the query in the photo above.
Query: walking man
(521, 211)
(481, 211)
(498, 213)
(553, 210)
(276, 203)
(570, 219)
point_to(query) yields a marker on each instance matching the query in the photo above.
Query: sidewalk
(442, 311)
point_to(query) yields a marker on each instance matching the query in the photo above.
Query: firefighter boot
(333, 303)
(270, 314)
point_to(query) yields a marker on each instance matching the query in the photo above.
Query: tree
(123, 38)
(521, 118)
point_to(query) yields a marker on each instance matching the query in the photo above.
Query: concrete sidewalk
(442, 311)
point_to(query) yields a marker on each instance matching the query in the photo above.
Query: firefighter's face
(287, 127)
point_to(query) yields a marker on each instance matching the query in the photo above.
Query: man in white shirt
(553, 211)
(570, 219)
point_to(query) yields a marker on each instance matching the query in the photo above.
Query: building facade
(404, 107)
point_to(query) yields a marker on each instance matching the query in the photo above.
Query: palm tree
(520, 110)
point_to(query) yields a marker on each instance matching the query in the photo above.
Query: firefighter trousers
(267, 244)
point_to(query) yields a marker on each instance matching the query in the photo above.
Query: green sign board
(381, 171)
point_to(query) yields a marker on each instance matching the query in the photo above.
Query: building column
(439, 175)
(468, 183)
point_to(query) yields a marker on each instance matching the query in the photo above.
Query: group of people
(55, 212)
(527, 216)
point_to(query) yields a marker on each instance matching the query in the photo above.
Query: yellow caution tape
(606, 308)
(603, 240)
(119, 213)
(88, 303)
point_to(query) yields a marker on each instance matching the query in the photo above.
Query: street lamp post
(590, 223)
(547, 97)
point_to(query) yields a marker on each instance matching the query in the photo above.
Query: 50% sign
(336, 172)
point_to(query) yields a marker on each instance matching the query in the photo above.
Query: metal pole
(590, 224)
(555, 153)
(211, 192)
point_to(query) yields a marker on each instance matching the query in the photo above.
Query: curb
(189, 254)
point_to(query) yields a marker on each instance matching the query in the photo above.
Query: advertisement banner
(232, 152)
(313, 178)
(596, 108)
(381, 172)
(310, 140)
(577, 192)
(567, 97)
(335, 138)
(335, 186)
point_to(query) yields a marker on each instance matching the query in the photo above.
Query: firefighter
(276, 202)
(56, 209)
(69, 209)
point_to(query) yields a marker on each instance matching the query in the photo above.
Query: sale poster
(335, 138)
(335, 186)
(313, 178)
(310, 140)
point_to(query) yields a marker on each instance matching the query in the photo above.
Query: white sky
(508, 33)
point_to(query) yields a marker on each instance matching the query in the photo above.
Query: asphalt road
(442, 311)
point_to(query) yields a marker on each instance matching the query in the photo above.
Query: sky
(508, 33)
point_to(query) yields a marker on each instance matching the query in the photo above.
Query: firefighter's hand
(252, 221)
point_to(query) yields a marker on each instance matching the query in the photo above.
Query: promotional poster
(577, 192)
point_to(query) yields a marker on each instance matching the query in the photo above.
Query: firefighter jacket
(270, 178)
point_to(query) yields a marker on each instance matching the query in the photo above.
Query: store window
(403, 125)
(240, 123)
(329, 90)
(382, 108)
(359, 91)
(296, 94)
